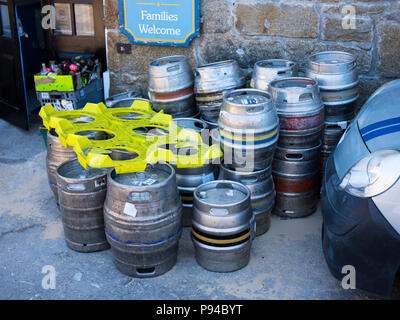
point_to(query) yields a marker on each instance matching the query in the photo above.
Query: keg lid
(332, 62)
(221, 193)
(151, 176)
(247, 97)
(72, 169)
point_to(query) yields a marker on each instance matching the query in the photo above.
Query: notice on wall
(168, 23)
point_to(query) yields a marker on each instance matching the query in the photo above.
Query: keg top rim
(262, 93)
(218, 64)
(160, 62)
(112, 103)
(244, 173)
(224, 184)
(343, 58)
(100, 172)
(269, 63)
(280, 83)
(204, 124)
(128, 94)
(166, 165)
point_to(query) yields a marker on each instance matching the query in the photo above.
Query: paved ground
(286, 263)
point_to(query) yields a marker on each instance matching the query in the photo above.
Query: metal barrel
(211, 82)
(197, 125)
(248, 126)
(332, 133)
(188, 179)
(338, 81)
(56, 154)
(81, 194)
(143, 219)
(262, 193)
(126, 102)
(296, 175)
(266, 71)
(171, 86)
(300, 110)
(223, 225)
(110, 101)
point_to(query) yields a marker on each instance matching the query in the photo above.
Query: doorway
(25, 45)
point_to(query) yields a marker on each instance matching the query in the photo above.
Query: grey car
(360, 195)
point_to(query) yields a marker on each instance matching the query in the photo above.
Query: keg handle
(219, 211)
(76, 186)
(145, 271)
(294, 156)
(173, 68)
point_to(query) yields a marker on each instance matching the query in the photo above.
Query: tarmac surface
(286, 263)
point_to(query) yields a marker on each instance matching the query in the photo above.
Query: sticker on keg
(130, 209)
(99, 183)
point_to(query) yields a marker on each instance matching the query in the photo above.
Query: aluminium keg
(111, 101)
(143, 220)
(296, 175)
(81, 194)
(248, 126)
(266, 71)
(300, 110)
(187, 179)
(261, 186)
(338, 81)
(171, 86)
(211, 82)
(223, 226)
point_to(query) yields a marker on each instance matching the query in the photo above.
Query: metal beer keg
(296, 175)
(300, 110)
(248, 125)
(171, 86)
(223, 226)
(143, 219)
(211, 82)
(266, 71)
(338, 81)
(81, 194)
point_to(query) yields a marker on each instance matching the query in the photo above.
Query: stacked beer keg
(296, 164)
(266, 71)
(171, 86)
(248, 126)
(338, 81)
(211, 82)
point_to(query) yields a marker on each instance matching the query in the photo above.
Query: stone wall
(252, 30)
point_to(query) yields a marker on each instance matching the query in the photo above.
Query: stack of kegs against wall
(338, 81)
(296, 165)
(211, 82)
(248, 127)
(170, 88)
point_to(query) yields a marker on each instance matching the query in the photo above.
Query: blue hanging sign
(165, 23)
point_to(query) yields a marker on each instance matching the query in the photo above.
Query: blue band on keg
(145, 243)
(52, 183)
